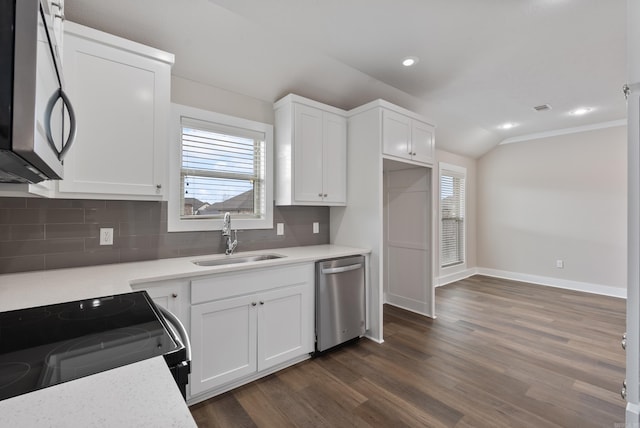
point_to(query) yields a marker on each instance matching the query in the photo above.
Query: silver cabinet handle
(60, 16)
(341, 269)
(624, 341)
(623, 393)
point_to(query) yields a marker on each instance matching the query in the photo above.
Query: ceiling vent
(543, 107)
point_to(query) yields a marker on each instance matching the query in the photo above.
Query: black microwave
(37, 122)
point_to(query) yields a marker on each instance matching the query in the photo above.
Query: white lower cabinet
(172, 295)
(269, 322)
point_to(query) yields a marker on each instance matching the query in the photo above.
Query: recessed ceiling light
(580, 111)
(410, 60)
(508, 125)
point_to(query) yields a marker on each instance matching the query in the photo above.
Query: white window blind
(452, 216)
(222, 170)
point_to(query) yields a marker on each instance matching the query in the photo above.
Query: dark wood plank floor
(500, 354)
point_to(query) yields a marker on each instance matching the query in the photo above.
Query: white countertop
(23, 290)
(140, 394)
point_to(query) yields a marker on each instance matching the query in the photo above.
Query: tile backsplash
(39, 234)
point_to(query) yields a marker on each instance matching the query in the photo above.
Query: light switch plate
(316, 227)
(280, 229)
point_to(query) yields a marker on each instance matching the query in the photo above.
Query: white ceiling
(482, 62)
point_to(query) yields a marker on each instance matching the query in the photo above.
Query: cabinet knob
(320, 194)
(624, 344)
(174, 295)
(261, 302)
(158, 186)
(60, 16)
(325, 195)
(623, 393)
(253, 303)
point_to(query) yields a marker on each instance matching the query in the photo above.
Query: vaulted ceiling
(482, 63)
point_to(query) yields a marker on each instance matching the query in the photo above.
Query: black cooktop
(47, 345)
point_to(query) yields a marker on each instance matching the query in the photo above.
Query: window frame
(175, 223)
(452, 170)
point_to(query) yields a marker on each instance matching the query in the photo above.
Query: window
(219, 164)
(452, 199)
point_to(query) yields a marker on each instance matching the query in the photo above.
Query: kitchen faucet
(226, 232)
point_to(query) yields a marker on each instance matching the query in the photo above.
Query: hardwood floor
(500, 354)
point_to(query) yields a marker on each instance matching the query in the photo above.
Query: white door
(422, 141)
(396, 134)
(334, 159)
(408, 281)
(285, 325)
(223, 342)
(308, 154)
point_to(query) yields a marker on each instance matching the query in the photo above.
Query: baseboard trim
(567, 284)
(453, 277)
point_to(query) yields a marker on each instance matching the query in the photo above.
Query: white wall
(560, 197)
(194, 94)
(446, 275)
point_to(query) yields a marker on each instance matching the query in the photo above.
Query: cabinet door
(334, 159)
(422, 141)
(285, 325)
(223, 342)
(173, 296)
(307, 154)
(396, 134)
(121, 101)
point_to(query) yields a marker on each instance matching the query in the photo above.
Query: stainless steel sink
(238, 259)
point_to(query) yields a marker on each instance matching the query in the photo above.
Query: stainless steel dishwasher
(340, 301)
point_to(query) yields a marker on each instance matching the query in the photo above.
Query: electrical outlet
(106, 236)
(560, 264)
(316, 227)
(280, 229)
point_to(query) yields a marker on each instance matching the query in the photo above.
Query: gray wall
(37, 234)
(561, 197)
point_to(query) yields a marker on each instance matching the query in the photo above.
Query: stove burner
(11, 373)
(23, 318)
(96, 308)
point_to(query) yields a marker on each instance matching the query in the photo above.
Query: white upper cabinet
(407, 138)
(121, 94)
(311, 153)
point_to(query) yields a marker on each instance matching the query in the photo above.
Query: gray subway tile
(61, 230)
(27, 232)
(5, 232)
(21, 264)
(13, 202)
(81, 258)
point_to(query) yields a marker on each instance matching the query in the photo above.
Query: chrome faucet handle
(226, 224)
(231, 245)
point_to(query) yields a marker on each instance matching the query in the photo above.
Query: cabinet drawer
(230, 284)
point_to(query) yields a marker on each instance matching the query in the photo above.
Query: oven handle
(182, 332)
